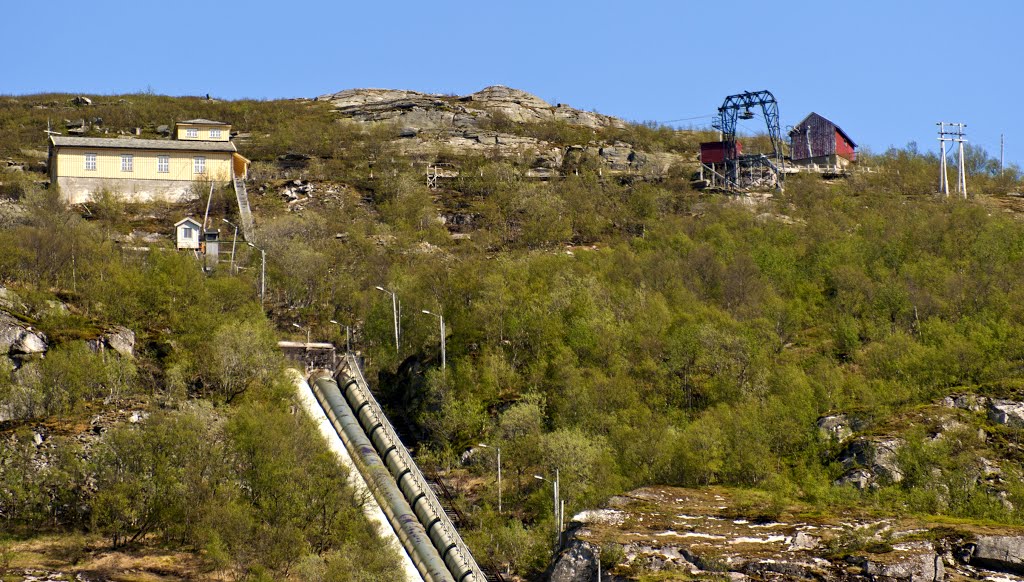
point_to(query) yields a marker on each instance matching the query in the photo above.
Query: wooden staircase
(244, 212)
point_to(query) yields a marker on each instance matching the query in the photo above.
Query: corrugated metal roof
(142, 144)
(204, 122)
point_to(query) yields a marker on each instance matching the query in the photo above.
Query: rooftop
(142, 144)
(201, 121)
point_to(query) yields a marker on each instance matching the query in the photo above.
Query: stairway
(244, 212)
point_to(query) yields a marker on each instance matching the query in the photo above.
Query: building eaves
(188, 219)
(203, 122)
(142, 144)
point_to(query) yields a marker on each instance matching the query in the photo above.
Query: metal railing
(354, 372)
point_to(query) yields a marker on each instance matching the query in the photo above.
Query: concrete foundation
(80, 190)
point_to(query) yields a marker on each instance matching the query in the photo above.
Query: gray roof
(204, 122)
(142, 144)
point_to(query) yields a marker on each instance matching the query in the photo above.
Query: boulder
(163, 130)
(1002, 553)
(578, 563)
(121, 340)
(17, 339)
(80, 100)
(869, 461)
(916, 562)
(969, 402)
(1008, 412)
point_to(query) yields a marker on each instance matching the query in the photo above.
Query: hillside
(604, 320)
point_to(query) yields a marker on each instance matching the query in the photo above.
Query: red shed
(714, 152)
(817, 137)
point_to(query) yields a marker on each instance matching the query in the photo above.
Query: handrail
(390, 435)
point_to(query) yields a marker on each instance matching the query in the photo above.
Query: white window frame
(214, 134)
(186, 232)
(127, 163)
(199, 165)
(90, 162)
(191, 132)
(163, 164)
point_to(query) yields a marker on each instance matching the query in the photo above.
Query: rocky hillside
(492, 122)
(680, 534)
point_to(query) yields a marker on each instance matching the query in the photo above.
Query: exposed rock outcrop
(1008, 412)
(870, 462)
(19, 339)
(419, 111)
(1002, 553)
(702, 534)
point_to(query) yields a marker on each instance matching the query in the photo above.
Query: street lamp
(499, 474)
(304, 329)
(348, 336)
(559, 508)
(441, 318)
(234, 239)
(394, 311)
(263, 271)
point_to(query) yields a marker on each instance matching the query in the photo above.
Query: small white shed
(187, 233)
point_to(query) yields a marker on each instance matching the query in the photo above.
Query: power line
(687, 118)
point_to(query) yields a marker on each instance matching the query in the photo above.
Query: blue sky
(884, 71)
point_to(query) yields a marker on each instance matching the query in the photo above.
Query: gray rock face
(10, 301)
(354, 97)
(870, 462)
(430, 111)
(1002, 553)
(1008, 412)
(918, 563)
(835, 427)
(121, 340)
(18, 339)
(578, 563)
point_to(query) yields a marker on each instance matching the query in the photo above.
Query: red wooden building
(819, 141)
(714, 152)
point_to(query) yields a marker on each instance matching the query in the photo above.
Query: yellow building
(145, 169)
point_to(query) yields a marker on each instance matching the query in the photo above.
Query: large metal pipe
(414, 537)
(410, 482)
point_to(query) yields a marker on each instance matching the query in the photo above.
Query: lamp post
(441, 318)
(499, 473)
(394, 311)
(306, 329)
(559, 508)
(263, 271)
(234, 239)
(348, 336)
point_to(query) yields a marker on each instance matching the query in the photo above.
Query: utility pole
(961, 182)
(943, 178)
(1000, 154)
(958, 138)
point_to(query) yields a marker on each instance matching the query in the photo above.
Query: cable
(687, 118)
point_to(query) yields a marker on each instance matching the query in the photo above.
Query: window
(199, 165)
(90, 162)
(186, 232)
(163, 164)
(127, 163)
(214, 134)
(191, 132)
